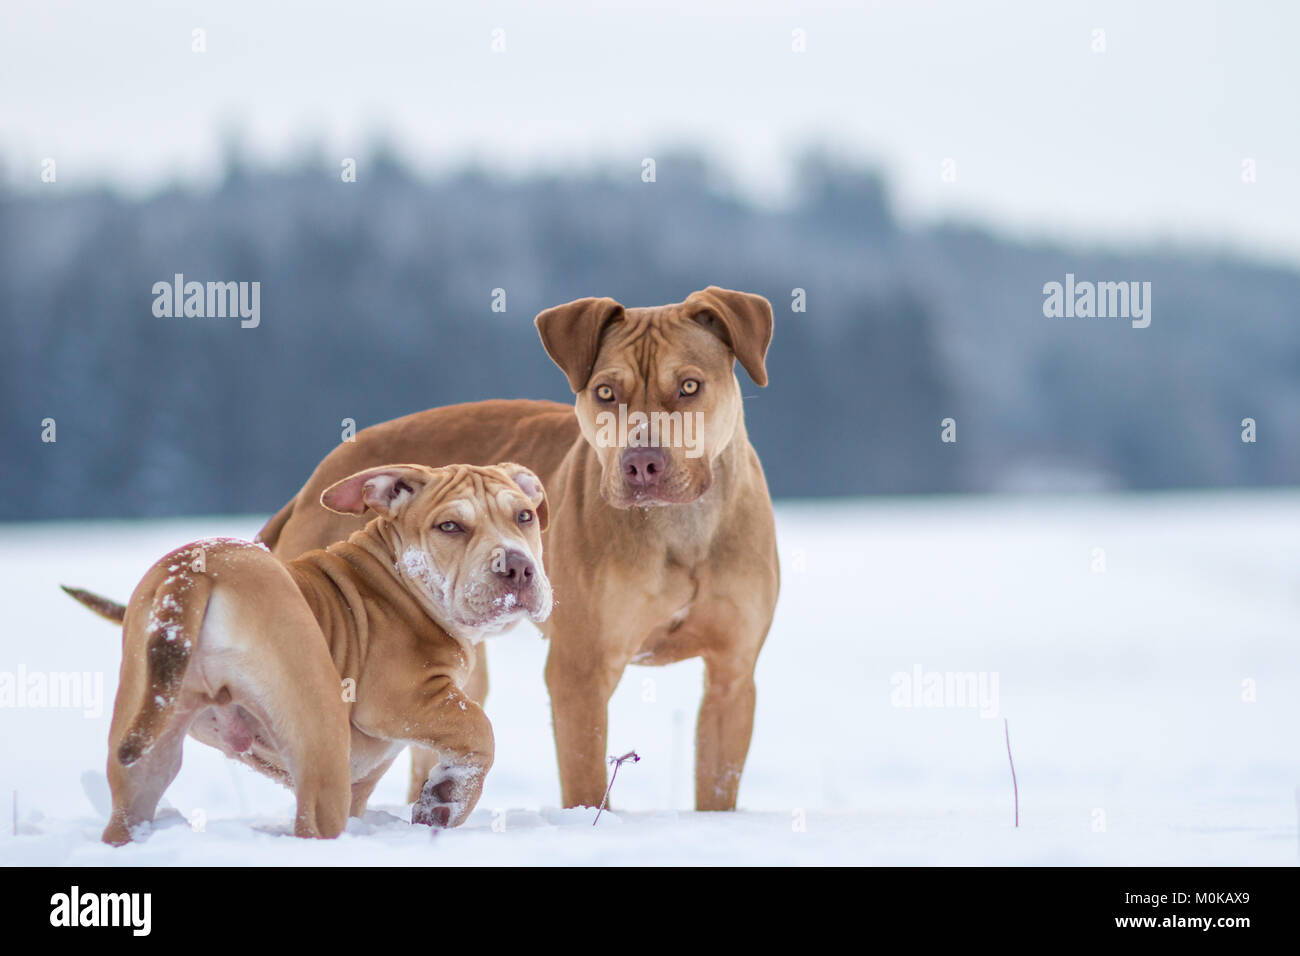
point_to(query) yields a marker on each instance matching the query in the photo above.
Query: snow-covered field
(1154, 706)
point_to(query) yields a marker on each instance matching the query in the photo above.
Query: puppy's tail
(108, 610)
(175, 617)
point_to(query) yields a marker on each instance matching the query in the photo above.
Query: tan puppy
(659, 549)
(317, 673)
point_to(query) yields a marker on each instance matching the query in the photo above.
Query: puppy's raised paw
(447, 796)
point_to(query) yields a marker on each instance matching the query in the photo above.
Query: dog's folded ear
(387, 489)
(532, 488)
(742, 320)
(571, 335)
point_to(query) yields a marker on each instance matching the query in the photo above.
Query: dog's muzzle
(521, 584)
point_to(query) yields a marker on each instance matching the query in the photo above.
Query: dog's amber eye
(525, 517)
(450, 527)
(690, 386)
(604, 393)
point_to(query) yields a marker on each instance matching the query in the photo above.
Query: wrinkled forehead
(649, 338)
(465, 493)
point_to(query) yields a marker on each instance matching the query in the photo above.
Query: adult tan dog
(658, 551)
(318, 672)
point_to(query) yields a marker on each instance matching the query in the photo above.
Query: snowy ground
(1127, 691)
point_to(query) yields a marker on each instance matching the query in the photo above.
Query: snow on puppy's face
(466, 540)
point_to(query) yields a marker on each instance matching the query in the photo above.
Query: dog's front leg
(723, 731)
(424, 761)
(580, 682)
(730, 626)
(445, 721)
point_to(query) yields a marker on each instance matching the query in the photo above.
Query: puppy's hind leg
(288, 684)
(149, 720)
(137, 787)
(322, 784)
(313, 731)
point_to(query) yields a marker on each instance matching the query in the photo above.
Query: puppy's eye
(525, 517)
(450, 527)
(604, 393)
(690, 387)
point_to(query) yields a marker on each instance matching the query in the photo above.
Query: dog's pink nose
(514, 566)
(643, 467)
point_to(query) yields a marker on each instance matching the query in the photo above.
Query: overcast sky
(1141, 142)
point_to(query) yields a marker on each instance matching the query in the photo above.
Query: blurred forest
(376, 301)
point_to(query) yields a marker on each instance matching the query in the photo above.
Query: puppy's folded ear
(571, 335)
(742, 320)
(386, 489)
(532, 488)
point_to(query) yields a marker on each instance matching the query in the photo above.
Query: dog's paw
(447, 796)
(436, 801)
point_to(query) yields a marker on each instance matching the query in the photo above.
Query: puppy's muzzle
(520, 584)
(515, 570)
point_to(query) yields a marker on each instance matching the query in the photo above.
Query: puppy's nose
(514, 566)
(643, 467)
